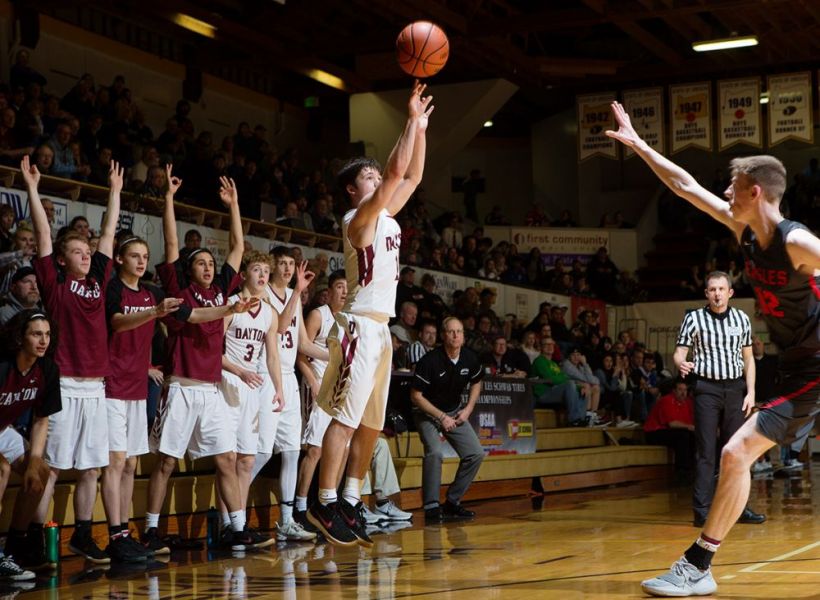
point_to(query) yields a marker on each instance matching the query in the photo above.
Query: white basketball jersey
(373, 271)
(246, 334)
(288, 341)
(319, 366)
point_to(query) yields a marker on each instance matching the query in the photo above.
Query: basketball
(422, 49)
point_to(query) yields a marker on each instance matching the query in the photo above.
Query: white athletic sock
(287, 483)
(226, 519)
(352, 491)
(237, 518)
(327, 496)
(260, 461)
(286, 512)
(151, 520)
(301, 503)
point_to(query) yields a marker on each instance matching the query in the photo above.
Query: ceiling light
(725, 43)
(488, 123)
(192, 24)
(326, 78)
(764, 98)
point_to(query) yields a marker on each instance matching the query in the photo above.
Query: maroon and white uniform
(245, 339)
(78, 434)
(39, 390)
(357, 380)
(318, 420)
(285, 434)
(193, 415)
(130, 357)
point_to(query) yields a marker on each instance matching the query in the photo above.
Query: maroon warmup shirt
(130, 351)
(38, 389)
(77, 306)
(195, 350)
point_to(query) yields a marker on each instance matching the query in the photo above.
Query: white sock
(226, 519)
(260, 461)
(352, 491)
(301, 503)
(237, 520)
(287, 483)
(286, 512)
(151, 520)
(327, 496)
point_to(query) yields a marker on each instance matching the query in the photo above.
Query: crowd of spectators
(578, 368)
(77, 134)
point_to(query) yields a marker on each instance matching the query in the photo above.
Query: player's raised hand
(227, 191)
(303, 277)
(419, 107)
(116, 176)
(173, 182)
(625, 134)
(31, 175)
(244, 305)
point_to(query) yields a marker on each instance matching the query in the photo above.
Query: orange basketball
(422, 49)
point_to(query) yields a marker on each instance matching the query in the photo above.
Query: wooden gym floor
(596, 544)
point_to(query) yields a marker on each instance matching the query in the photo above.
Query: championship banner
(691, 116)
(645, 110)
(790, 108)
(739, 115)
(503, 417)
(594, 118)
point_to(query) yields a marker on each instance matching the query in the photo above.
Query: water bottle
(52, 534)
(213, 522)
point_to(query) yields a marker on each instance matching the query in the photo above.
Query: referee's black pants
(718, 409)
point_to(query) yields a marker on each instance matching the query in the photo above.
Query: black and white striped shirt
(717, 341)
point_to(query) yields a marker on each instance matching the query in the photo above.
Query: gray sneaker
(682, 579)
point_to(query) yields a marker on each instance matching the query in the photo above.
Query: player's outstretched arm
(674, 177)
(112, 214)
(236, 241)
(804, 250)
(402, 173)
(42, 229)
(203, 314)
(169, 219)
(124, 322)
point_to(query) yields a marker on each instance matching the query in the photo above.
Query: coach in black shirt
(437, 388)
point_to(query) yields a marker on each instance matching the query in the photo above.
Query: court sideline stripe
(756, 566)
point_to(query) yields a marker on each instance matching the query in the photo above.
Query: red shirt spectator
(672, 411)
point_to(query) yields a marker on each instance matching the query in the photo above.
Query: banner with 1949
(739, 115)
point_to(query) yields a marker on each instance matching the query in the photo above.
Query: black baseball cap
(22, 272)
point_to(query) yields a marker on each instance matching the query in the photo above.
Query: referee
(439, 382)
(720, 337)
